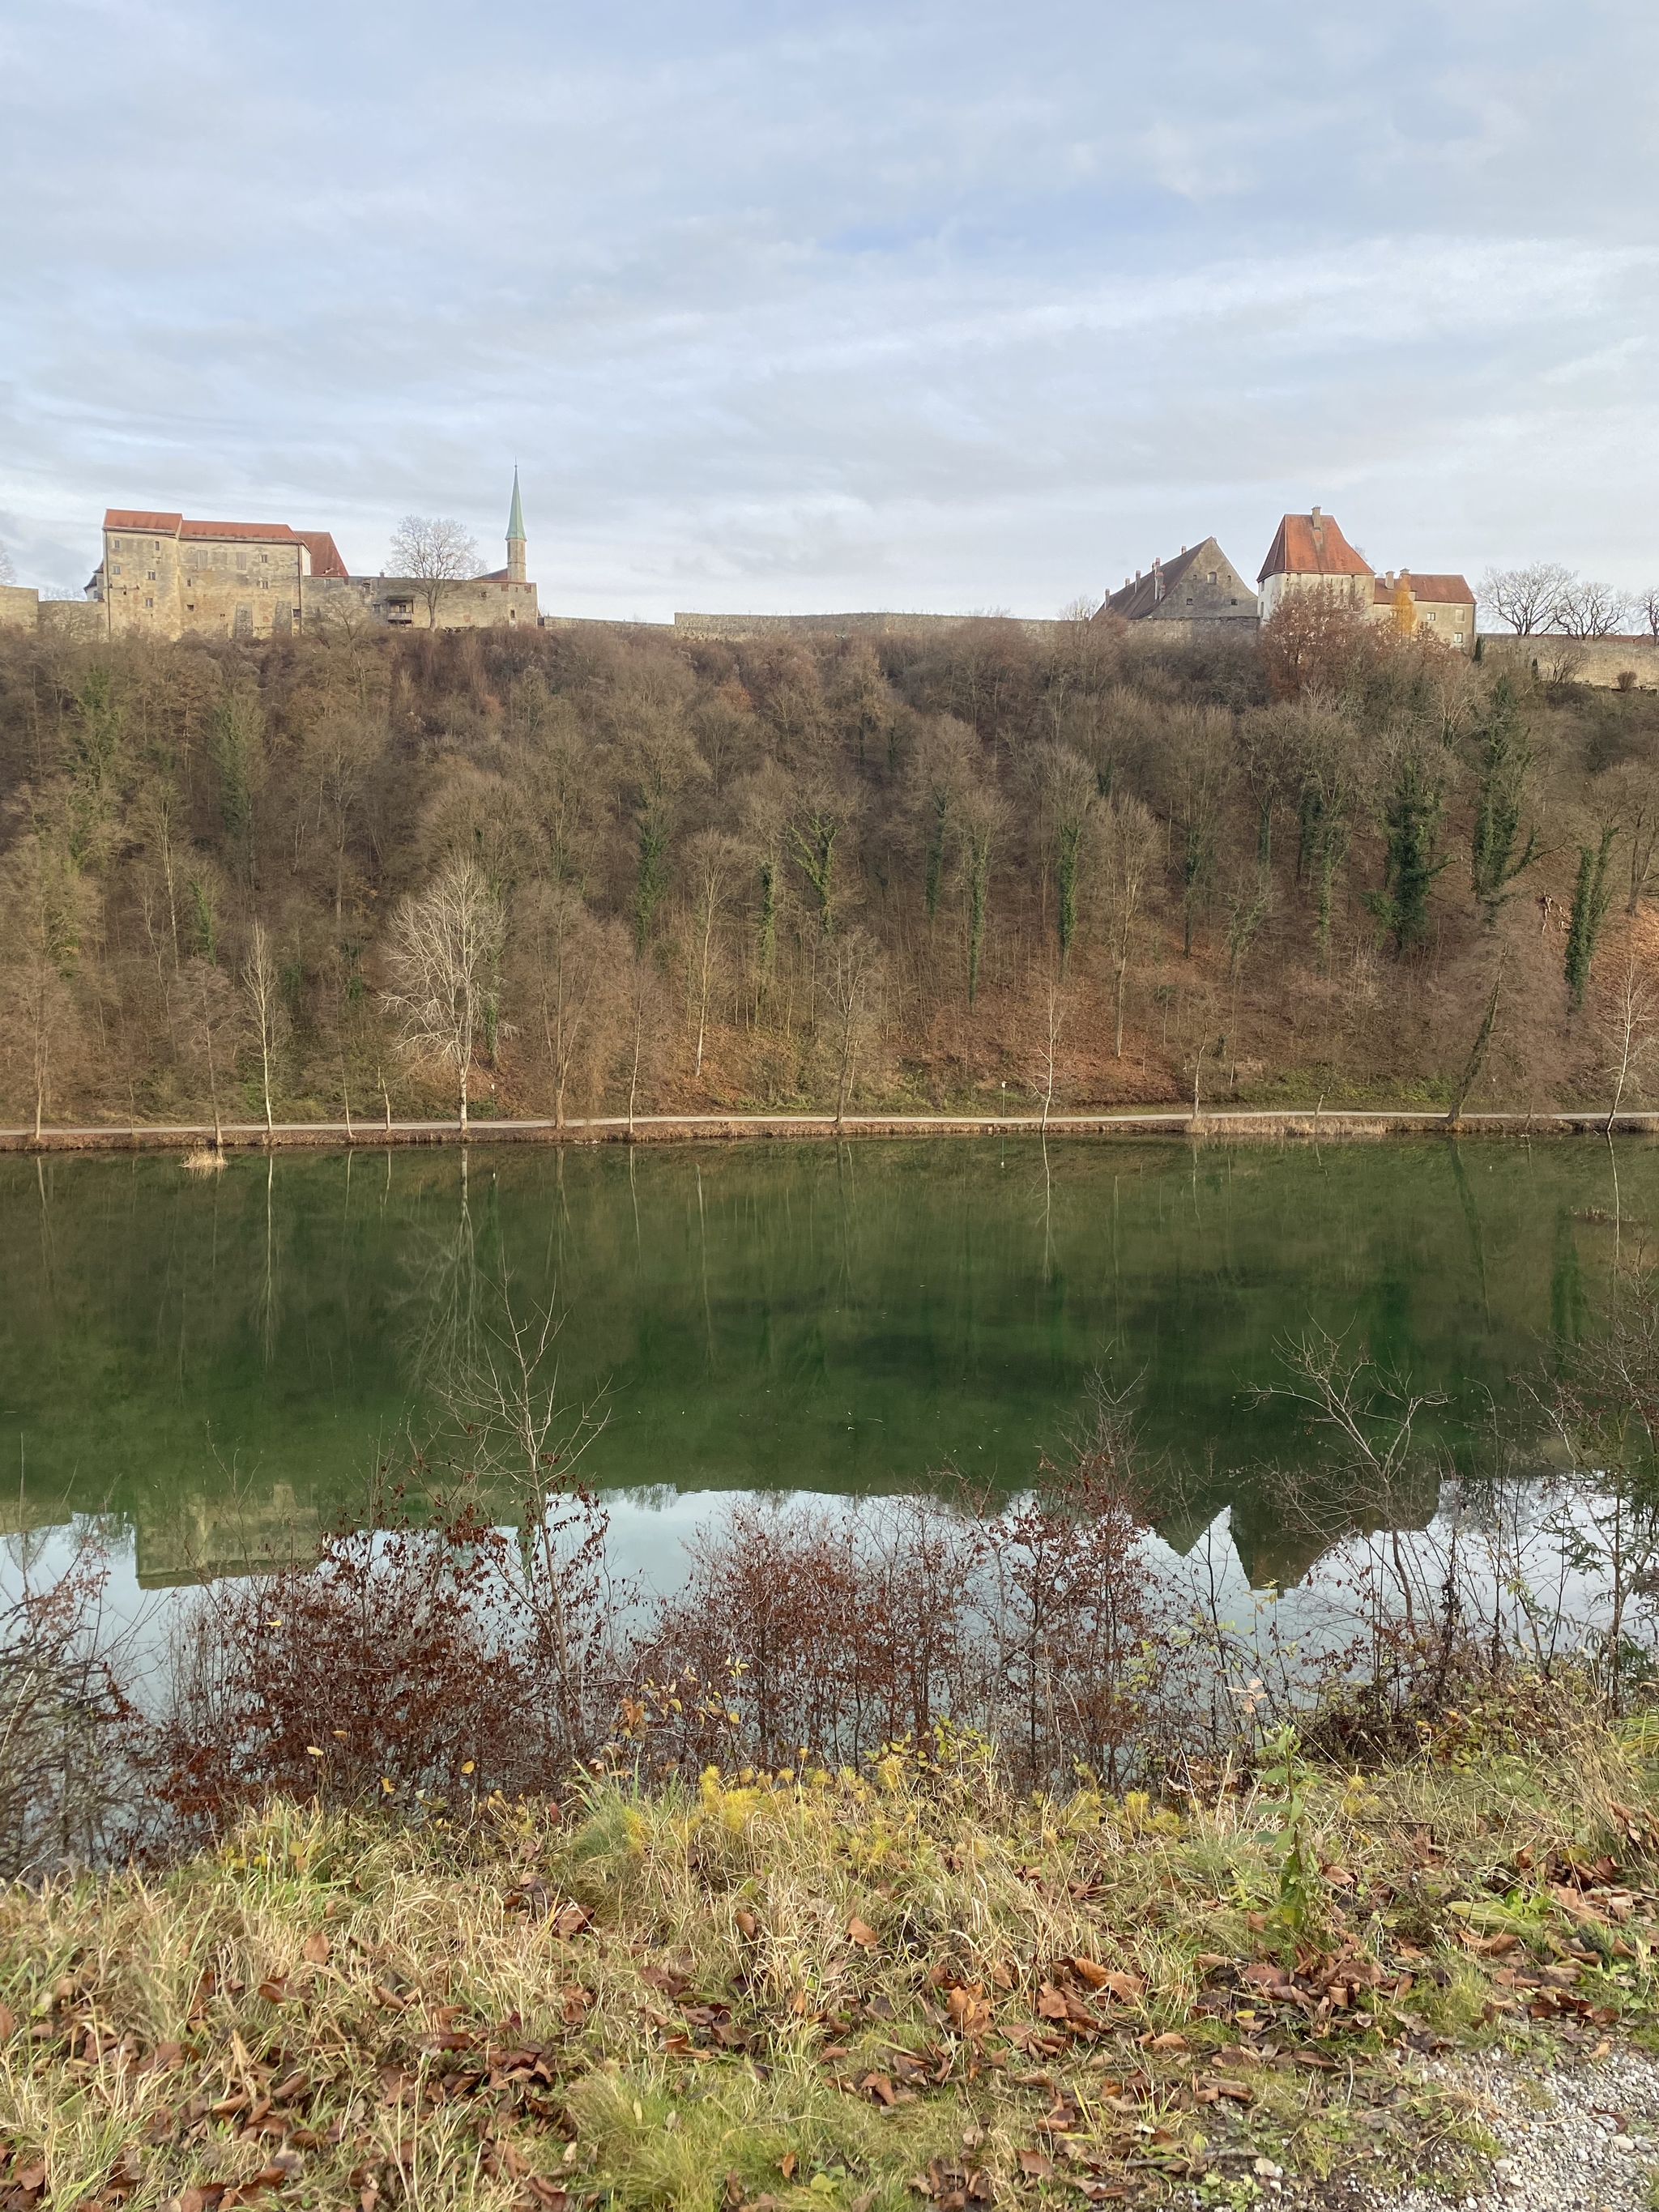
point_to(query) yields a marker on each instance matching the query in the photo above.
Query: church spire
(515, 548)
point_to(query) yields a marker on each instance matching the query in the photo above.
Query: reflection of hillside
(797, 1317)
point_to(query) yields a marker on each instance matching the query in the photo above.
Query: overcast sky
(884, 304)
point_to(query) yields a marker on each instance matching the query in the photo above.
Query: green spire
(515, 521)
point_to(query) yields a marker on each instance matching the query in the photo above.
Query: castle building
(164, 576)
(1201, 587)
(1310, 557)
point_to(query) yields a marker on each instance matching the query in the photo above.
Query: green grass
(828, 1991)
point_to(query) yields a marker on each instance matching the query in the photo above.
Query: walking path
(1231, 1124)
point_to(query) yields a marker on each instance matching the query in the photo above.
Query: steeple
(515, 573)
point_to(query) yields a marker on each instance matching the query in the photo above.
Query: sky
(855, 305)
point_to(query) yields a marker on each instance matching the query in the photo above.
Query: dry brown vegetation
(342, 877)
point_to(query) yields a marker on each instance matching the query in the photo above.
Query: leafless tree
(1629, 1037)
(565, 956)
(1132, 844)
(1587, 609)
(855, 963)
(445, 945)
(211, 1018)
(1646, 606)
(263, 984)
(435, 553)
(716, 863)
(1528, 599)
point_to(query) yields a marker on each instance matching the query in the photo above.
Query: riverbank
(1234, 1125)
(816, 1990)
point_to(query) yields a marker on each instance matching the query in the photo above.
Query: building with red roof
(1310, 557)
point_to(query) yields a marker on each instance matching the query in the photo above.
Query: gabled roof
(1149, 591)
(1310, 545)
(1425, 591)
(325, 559)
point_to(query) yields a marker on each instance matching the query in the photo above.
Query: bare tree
(1057, 1011)
(1528, 599)
(717, 862)
(1587, 609)
(855, 963)
(212, 1021)
(262, 984)
(445, 948)
(1628, 1038)
(1132, 844)
(565, 956)
(1646, 604)
(435, 552)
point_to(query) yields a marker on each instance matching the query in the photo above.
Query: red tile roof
(1305, 546)
(1427, 591)
(262, 533)
(154, 525)
(325, 559)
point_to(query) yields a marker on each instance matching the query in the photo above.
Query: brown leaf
(862, 1933)
(315, 1950)
(878, 2087)
(30, 2179)
(1169, 2041)
(748, 1926)
(1036, 2165)
(1264, 1974)
(787, 2165)
(1129, 1987)
(8, 2023)
(1050, 2004)
(1091, 1970)
(274, 1988)
(1489, 1947)
(570, 1920)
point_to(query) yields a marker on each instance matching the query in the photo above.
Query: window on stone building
(1213, 575)
(244, 624)
(241, 556)
(150, 603)
(115, 568)
(150, 576)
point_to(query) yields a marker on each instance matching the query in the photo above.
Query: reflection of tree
(448, 1305)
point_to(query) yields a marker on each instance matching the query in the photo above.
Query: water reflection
(224, 1365)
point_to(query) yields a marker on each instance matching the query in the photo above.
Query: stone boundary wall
(858, 625)
(1609, 664)
(86, 621)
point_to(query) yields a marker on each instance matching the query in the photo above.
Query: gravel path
(1579, 2136)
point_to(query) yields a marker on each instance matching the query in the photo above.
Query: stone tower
(515, 570)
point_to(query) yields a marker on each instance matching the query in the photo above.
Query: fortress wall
(858, 625)
(20, 607)
(83, 622)
(1610, 664)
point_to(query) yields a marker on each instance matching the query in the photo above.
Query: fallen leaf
(878, 2086)
(862, 1933)
(1169, 2041)
(8, 2024)
(1036, 2165)
(315, 1950)
(274, 1988)
(787, 2165)
(1092, 1971)
(570, 1920)
(748, 1926)
(1129, 1987)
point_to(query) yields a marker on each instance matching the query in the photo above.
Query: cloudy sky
(935, 307)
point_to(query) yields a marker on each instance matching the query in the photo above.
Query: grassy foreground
(825, 1991)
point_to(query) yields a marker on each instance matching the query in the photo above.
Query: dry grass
(821, 1991)
(204, 1160)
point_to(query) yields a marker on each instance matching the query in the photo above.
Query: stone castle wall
(1608, 664)
(750, 627)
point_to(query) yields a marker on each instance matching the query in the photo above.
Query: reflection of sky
(859, 305)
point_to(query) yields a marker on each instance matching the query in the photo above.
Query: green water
(217, 1362)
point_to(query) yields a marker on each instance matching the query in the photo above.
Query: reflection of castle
(166, 576)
